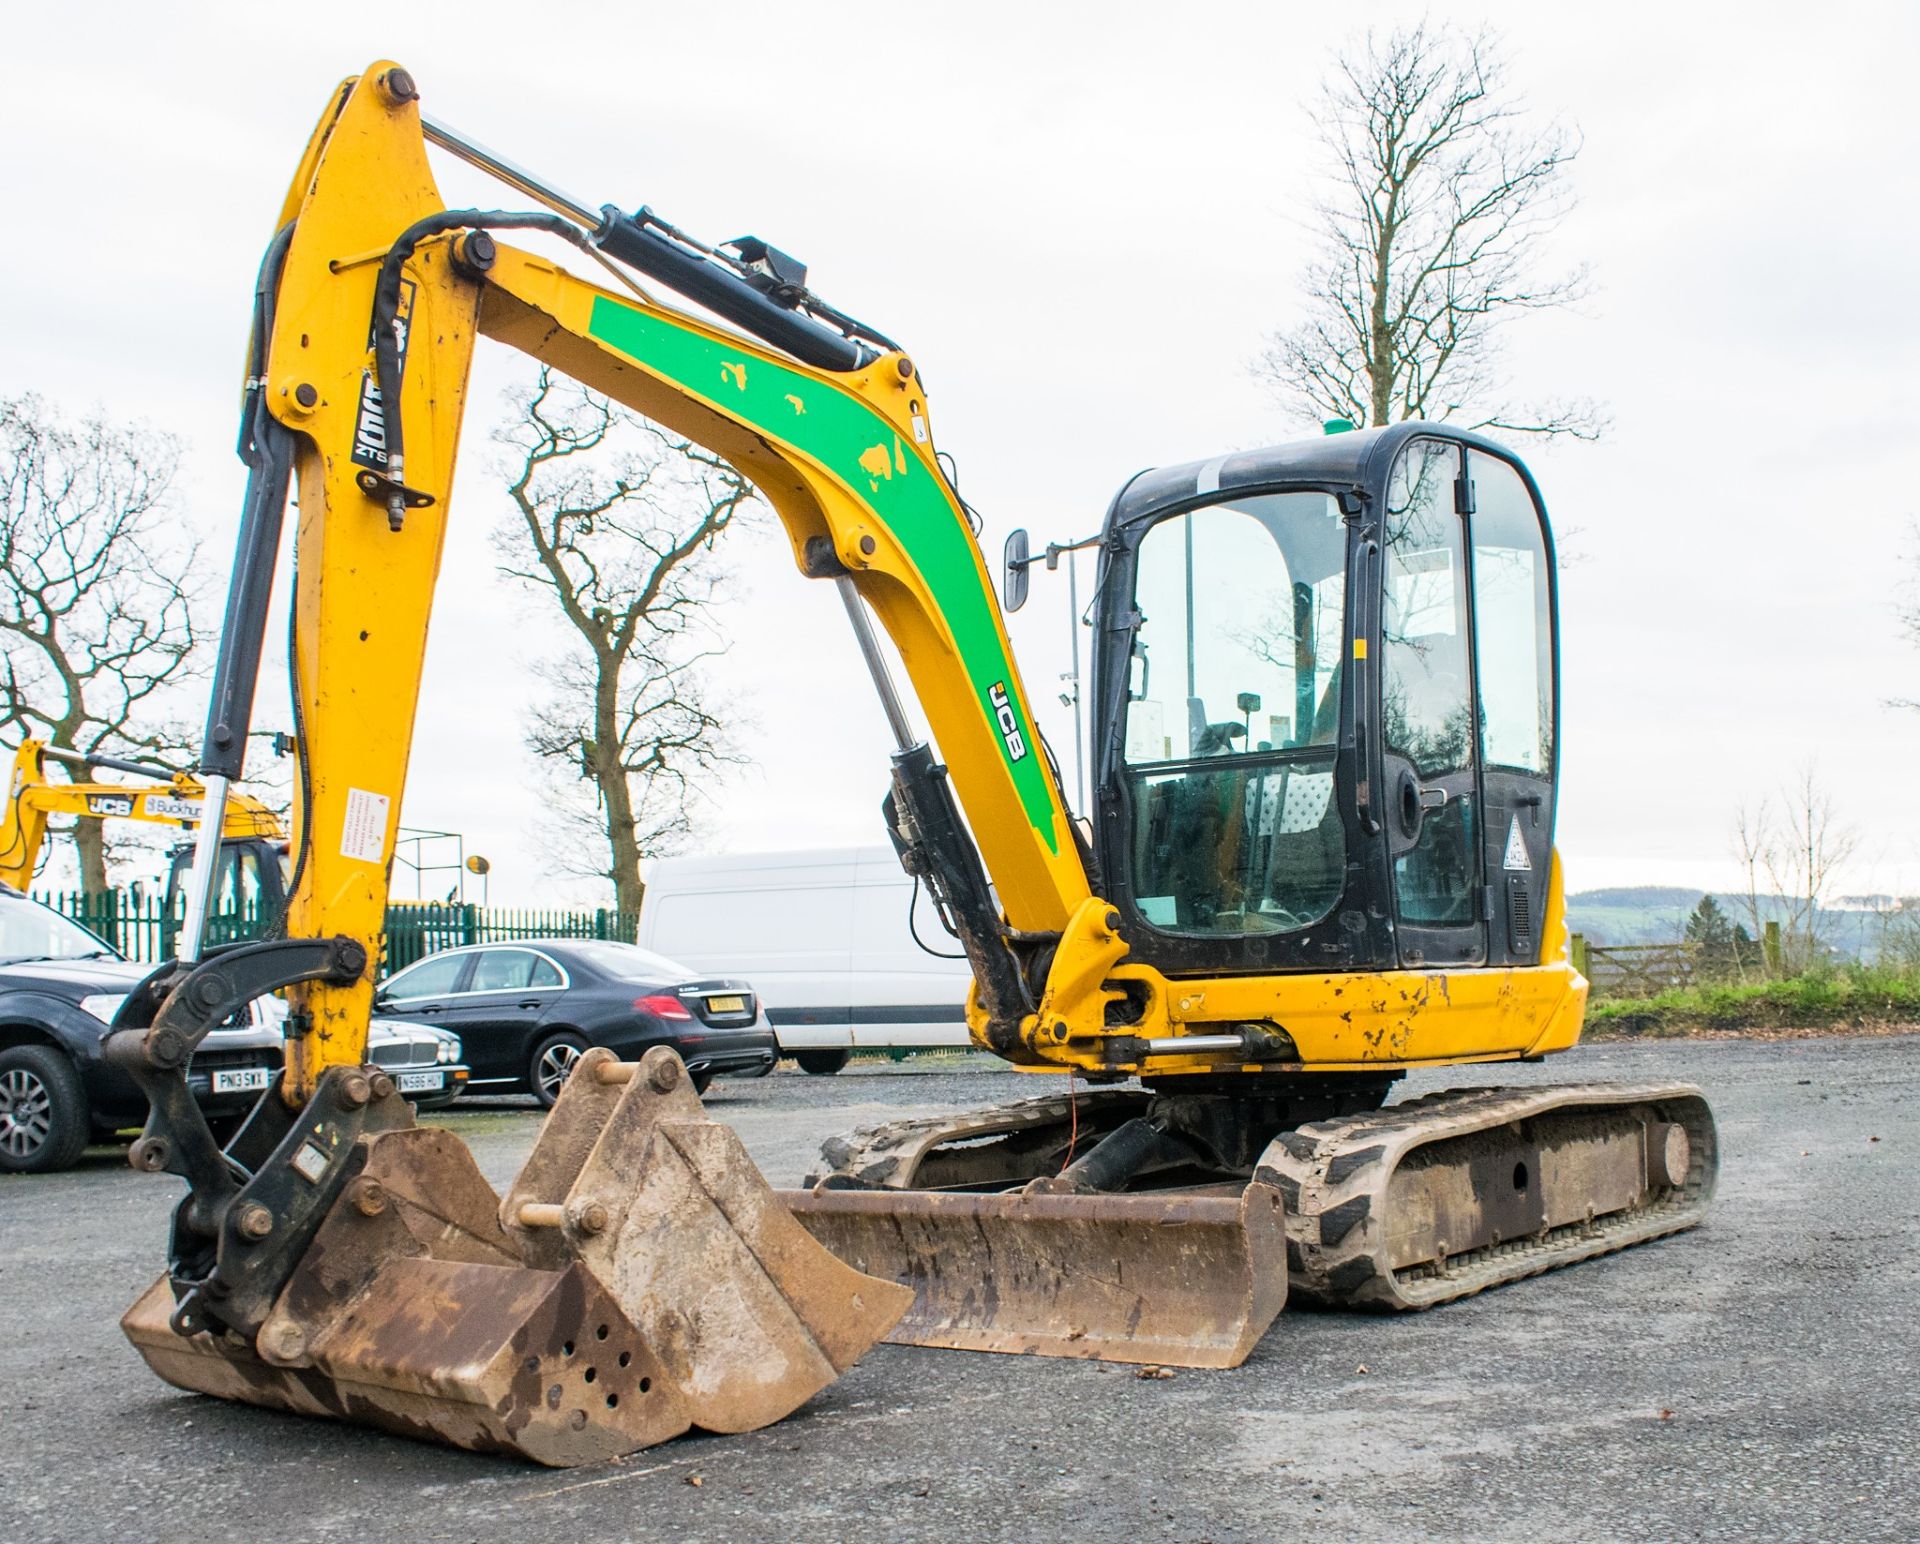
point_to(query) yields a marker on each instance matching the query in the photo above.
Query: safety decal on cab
(1517, 858)
(1007, 721)
(370, 420)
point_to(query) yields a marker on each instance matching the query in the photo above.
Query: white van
(823, 936)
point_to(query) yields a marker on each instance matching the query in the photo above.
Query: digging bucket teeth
(640, 1279)
(1186, 1279)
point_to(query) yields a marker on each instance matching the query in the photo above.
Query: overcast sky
(1081, 220)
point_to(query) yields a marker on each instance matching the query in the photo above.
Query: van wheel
(44, 1123)
(822, 1064)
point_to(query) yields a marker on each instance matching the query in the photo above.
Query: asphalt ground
(1756, 1378)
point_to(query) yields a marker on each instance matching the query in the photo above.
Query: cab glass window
(1234, 715)
(1513, 612)
(502, 970)
(430, 978)
(1426, 692)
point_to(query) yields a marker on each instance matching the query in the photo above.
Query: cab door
(1436, 836)
(1513, 613)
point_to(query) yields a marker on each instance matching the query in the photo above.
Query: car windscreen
(628, 962)
(30, 931)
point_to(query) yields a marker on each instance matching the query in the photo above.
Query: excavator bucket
(750, 1316)
(639, 1280)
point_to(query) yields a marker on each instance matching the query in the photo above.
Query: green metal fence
(138, 927)
(143, 930)
(415, 929)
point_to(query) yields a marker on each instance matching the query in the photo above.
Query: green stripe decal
(864, 451)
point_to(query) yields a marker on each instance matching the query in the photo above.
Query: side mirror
(1013, 590)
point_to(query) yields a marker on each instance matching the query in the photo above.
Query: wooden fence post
(1580, 953)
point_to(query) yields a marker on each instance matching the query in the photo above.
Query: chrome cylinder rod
(515, 176)
(1194, 1045)
(206, 856)
(896, 710)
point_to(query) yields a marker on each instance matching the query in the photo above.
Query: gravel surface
(1759, 1377)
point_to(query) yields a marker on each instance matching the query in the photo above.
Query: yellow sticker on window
(1359, 648)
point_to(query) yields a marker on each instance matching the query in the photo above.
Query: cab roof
(1357, 457)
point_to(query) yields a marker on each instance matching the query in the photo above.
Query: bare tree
(96, 592)
(1439, 197)
(1793, 846)
(616, 522)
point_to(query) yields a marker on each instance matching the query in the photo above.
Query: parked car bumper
(230, 1081)
(412, 1055)
(744, 1055)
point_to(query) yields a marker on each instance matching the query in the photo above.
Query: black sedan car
(524, 1011)
(60, 986)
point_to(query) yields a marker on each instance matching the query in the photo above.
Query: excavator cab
(249, 889)
(1325, 705)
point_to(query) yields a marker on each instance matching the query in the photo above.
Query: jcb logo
(1008, 720)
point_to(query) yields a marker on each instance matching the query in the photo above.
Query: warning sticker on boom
(1516, 849)
(364, 835)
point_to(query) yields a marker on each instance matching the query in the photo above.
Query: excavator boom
(173, 799)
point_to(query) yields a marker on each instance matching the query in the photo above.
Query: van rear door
(786, 930)
(902, 995)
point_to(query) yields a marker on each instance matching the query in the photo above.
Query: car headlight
(103, 1005)
(449, 1051)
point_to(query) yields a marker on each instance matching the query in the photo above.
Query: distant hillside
(1636, 914)
(1657, 914)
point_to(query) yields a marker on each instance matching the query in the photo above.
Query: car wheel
(552, 1063)
(43, 1111)
(822, 1064)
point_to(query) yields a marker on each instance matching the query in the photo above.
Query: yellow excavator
(1319, 854)
(252, 837)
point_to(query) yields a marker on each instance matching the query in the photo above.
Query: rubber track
(1335, 1174)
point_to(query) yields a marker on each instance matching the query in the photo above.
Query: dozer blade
(640, 1279)
(1187, 1278)
(1445, 1196)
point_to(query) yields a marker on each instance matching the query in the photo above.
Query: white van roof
(718, 864)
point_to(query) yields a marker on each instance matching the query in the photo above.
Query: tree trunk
(90, 838)
(623, 850)
(616, 794)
